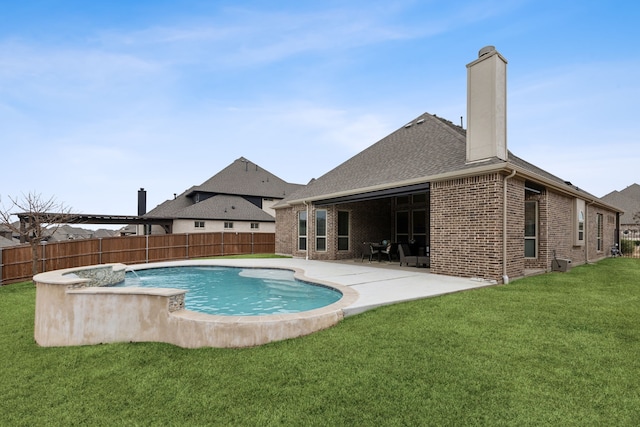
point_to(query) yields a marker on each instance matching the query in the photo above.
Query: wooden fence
(16, 262)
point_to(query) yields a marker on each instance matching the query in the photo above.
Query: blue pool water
(236, 291)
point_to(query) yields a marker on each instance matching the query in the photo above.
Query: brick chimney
(487, 106)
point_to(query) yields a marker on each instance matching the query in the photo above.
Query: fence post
(222, 244)
(44, 256)
(146, 249)
(99, 250)
(187, 246)
(1, 263)
(252, 244)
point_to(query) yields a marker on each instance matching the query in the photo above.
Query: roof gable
(218, 207)
(225, 207)
(628, 200)
(632, 191)
(426, 146)
(244, 178)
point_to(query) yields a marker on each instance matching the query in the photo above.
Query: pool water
(237, 291)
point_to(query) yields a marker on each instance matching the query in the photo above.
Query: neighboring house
(6, 237)
(68, 232)
(61, 233)
(239, 198)
(459, 196)
(629, 201)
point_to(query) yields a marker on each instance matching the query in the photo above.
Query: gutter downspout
(306, 257)
(505, 277)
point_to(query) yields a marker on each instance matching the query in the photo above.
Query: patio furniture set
(390, 250)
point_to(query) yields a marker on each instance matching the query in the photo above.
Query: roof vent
(486, 50)
(419, 122)
(408, 125)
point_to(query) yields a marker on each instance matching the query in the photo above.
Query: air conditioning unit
(562, 265)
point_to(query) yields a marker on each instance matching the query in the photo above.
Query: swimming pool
(81, 306)
(234, 291)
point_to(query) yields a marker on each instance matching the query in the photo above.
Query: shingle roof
(226, 207)
(223, 191)
(628, 200)
(5, 243)
(426, 147)
(219, 207)
(244, 178)
(171, 208)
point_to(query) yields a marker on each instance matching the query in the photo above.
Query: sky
(101, 98)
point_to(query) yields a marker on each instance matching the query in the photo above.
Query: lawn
(557, 349)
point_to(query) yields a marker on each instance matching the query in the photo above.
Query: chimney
(487, 106)
(142, 202)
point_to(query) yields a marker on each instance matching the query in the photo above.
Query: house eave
(405, 183)
(505, 167)
(562, 188)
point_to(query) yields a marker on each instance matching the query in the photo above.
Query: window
(321, 230)
(343, 231)
(419, 198)
(302, 230)
(402, 200)
(578, 222)
(530, 229)
(255, 225)
(198, 224)
(402, 226)
(419, 227)
(599, 224)
(228, 225)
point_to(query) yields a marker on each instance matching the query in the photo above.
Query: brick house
(460, 195)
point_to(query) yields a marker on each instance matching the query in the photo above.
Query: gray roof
(5, 243)
(424, 148)
(225, 195)
(226, 207)
(628, 200)
(244, 178)
(220, 207)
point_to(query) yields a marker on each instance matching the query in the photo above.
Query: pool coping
(74, 310)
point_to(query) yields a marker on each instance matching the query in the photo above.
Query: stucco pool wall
(78, 307)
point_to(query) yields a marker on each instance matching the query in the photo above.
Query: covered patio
(391, 216)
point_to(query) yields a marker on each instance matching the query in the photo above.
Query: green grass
(558, 349)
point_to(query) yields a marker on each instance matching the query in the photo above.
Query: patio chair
(390, 250)
(417, 260)
(405, 255)
(368, 251)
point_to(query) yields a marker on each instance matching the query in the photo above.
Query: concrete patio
(377, 283)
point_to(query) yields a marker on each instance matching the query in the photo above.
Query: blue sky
(100, 98)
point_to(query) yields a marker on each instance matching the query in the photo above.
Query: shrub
(626, 246)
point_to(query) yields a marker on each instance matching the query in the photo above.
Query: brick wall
(556, 225)
(515, 227)
(466, 227)
(286, 230)
(368, 221)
